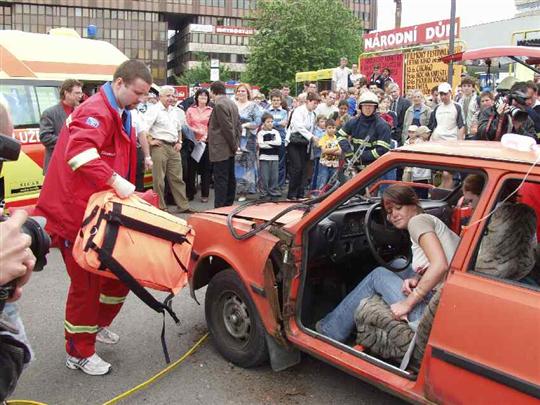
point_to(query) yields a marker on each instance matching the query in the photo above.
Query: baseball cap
(422, 130)
(444, 88)
(412, 128)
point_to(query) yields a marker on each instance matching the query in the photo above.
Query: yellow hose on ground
(134, 389)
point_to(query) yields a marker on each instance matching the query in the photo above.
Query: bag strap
(118, 270)
(116, 217)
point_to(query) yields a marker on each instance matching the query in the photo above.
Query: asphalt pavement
(203, 378)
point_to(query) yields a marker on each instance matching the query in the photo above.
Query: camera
(33, 227)
(517, 114)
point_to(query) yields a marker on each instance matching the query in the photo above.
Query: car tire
(233, 321)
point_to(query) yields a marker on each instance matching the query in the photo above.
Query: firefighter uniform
(97, 141)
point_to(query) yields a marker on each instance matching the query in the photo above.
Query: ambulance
(32, 69)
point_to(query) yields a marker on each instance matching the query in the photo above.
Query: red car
(274, 269)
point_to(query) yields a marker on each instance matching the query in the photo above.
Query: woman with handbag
(299, 137)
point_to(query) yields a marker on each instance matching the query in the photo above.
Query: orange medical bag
(133, 241)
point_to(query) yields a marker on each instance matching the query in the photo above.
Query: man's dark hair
(133, 69)
(198, 93)
(533, 86)
(67, 86)
(285, 85)
(330, 122)
(275, 93)
(343, 102)
(434, 89)
(468, 80)
(313, 96)
(217, 88)
(265, 116)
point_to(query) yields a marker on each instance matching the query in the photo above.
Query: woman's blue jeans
(340, 323)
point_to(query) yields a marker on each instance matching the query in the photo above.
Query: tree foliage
(201, 73)
(300, 35)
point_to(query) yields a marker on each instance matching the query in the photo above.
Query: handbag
(297, 138)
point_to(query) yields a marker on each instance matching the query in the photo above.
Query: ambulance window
(47, 97)
(22, 103)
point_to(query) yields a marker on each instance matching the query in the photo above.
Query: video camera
(516, 112)
(33, 227)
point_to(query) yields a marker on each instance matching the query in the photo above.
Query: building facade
(170, 36)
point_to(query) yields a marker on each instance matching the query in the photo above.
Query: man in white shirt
(355, 74)
(164, 123)
(340, 78)
(329, 106)
(446, 120)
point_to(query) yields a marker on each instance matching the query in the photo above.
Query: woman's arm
(438, 265)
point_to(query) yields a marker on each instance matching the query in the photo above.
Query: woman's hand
(400, 310)
(409, 285)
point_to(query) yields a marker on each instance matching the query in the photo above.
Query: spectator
(53, 118)
(197, 118)
(342, 94)
(399, 107)
(486, 101)
(285, 92)
(299, 136)
(351, 100)
(375, 77)
(417, 114)
(446, 123)
(367, 130)
(315, 149)
(189, 101)
(446, 120)
(340, 77)
(328, 106)
(342, 115)
(269, 142)
(469, 104)
(312, 87)
(385, 79)
(164, 123)
(260, 100)
(280, 124)
(144, 160)
(330, 154)
(418, 174)
(459, 94)
(355, 75)
(224, 130)
(532, 106)
(434, 101)
(246, 166)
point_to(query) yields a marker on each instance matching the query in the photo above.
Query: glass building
(170, 36)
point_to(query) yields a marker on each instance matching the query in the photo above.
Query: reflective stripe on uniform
(110, 300)
(381, 143)
(83, 158)
(70, 328)
(375, 153)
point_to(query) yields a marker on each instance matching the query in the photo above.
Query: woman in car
(409, 291)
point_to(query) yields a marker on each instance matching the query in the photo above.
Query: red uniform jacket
(91, 146)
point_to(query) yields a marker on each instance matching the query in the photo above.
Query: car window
(47, 96)
(508, 249)
(26, 102)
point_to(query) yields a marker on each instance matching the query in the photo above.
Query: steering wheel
(385, 241)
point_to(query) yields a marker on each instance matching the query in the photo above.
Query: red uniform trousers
(92, 303)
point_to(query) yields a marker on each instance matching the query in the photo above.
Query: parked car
(273, 269)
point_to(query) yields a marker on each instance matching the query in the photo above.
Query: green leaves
(201, 73)
(300, 35)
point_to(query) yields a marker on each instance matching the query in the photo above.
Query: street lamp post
(452, 40)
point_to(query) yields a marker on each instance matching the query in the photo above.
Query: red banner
(431, 32)
(182, 92)
(392, 62)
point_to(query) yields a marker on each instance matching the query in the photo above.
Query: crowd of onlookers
(275, 145)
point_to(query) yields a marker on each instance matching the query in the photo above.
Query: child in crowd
(280, 124)
(418, 174)
(315, 150)
(341, 116)
(330, 154)
(269, 142)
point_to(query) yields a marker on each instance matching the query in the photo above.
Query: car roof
(473, 149)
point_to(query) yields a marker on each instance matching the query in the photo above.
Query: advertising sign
(392, 62)
(428, 33)
(424, 70)
(182, 92)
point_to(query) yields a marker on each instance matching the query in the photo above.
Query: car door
(485, 343)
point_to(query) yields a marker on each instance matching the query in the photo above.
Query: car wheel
(233, 321)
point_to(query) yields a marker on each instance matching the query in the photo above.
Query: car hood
(264, 212)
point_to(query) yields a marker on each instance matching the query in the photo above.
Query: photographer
(17, 262)
(532, 105)
(509, 114)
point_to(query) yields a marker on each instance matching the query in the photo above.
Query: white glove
(122, 187)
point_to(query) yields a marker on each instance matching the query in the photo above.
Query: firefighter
(96, 150)
(366, 129)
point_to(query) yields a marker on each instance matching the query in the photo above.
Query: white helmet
(368, 97)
